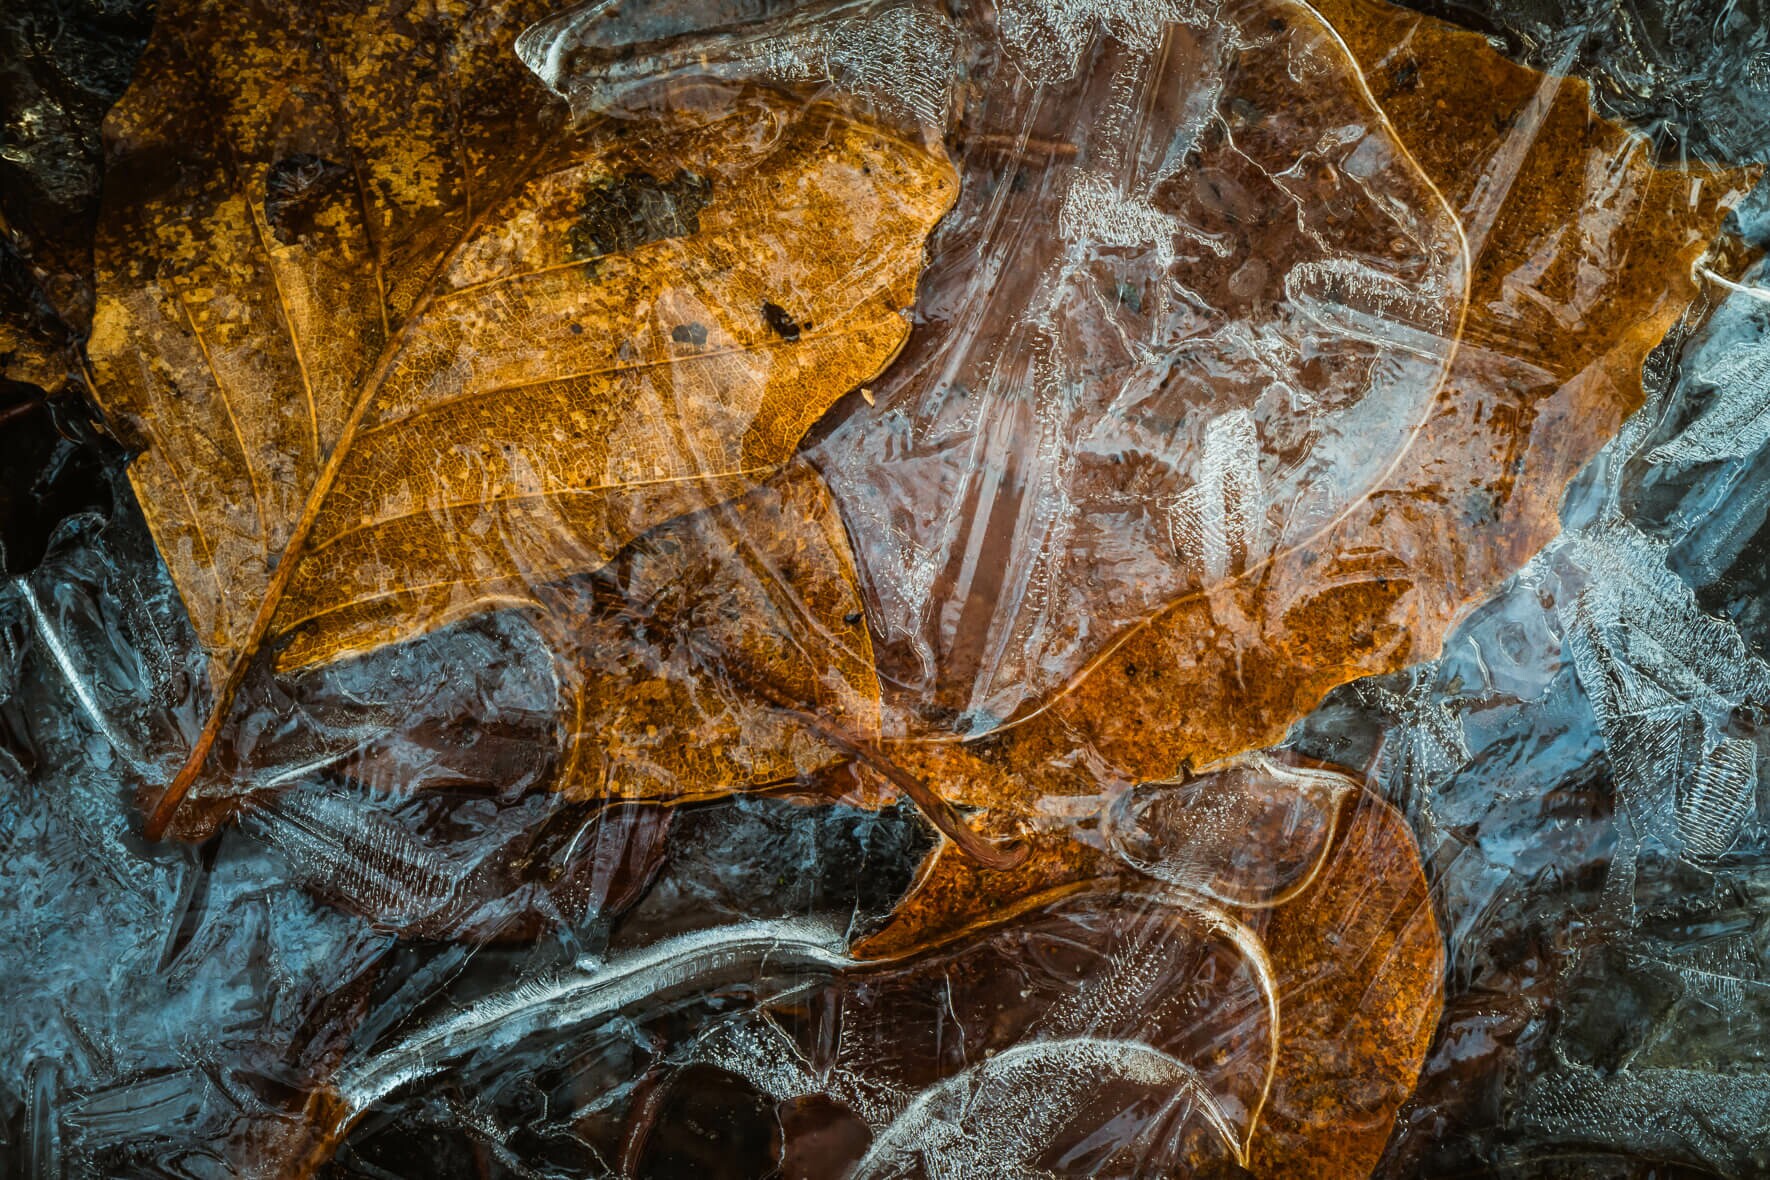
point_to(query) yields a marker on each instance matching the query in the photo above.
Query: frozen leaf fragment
(691, 661)
(396, 344)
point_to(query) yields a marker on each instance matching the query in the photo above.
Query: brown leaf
(1252, 833)
(1359, 963)
(1326, 879)
(1585, 263)
(397, 344)
(1125, 1026)
(1582, 252)
(714, 654)
(1122, 1032)
(673, 666)
(1159, 351)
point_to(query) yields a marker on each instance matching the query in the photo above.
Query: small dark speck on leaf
(778, 319)
(695, 334)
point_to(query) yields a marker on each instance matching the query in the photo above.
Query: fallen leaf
(1150, 346)
(1584, 265)
(1327, 881)
(724, 650)
(1359, 963)
(396, 344)
(1581, 252)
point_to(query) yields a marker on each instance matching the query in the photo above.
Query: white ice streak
(800, 951)
(1352, 299)
(76, 681)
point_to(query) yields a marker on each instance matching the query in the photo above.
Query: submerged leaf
(1328, 883)
(396, 344)
(1580, 254)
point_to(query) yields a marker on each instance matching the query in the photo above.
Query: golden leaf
(1358, 960)
(396, 344)
(1581, 254)
(724, 650)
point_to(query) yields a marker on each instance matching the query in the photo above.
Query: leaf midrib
(289, 558)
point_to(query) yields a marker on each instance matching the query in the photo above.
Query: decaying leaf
(397, 344)
(1158, 351)
(1359, 963)
(723, 650)
(1582, 253)
(1328, 883)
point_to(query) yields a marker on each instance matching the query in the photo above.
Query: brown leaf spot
(296, 189)
(620, 215)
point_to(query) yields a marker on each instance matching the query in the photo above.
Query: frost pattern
(332, 844)
(1047, 37)
(1736, 423)
(1428, 743)
(1718, 973)
(994, 1119)
(1355, 299)
(1664, 678)
(1095, 212)
(901, 58)
(1220, 516)
(1714, 802)
(1703, 1115)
